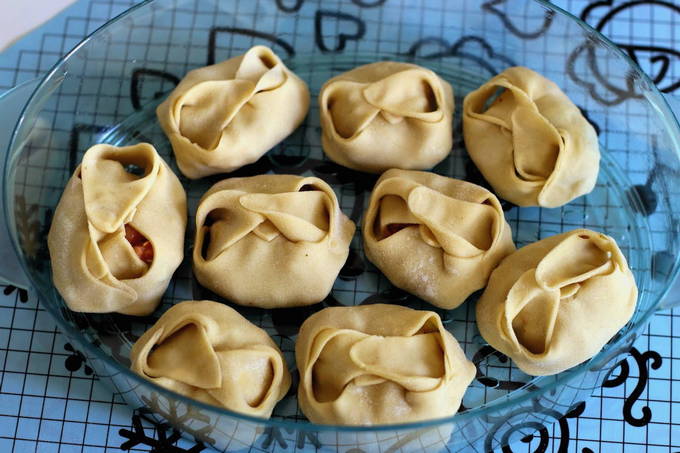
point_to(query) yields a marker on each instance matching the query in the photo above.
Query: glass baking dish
(106, 90)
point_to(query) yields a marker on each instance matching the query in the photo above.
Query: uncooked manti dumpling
(117, 235)
(436, 237)
(271, 240)
(532, 144)
(207, 351)
(376, 364)
(387, 115)
(227, 115)
(555, 303)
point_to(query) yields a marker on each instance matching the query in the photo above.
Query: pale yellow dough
(227, 115)
(532, 144)
(387, 115)
(555, 303)
(94, 268)
(271, 240)
(436, 237)
(378, 364)
(209, 352)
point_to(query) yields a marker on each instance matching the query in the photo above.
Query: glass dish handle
(672, 298)
(11, 105)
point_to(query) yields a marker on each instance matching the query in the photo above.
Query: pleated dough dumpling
(117, 236)
(532, 144)
(209, 352)
(555, 303)
(271, 240)
(387, 115)
(436, 237)
(378, 364)
(227, 115)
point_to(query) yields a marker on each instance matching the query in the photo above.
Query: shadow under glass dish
(106, 91)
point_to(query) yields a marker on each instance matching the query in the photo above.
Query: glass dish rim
(659, 102)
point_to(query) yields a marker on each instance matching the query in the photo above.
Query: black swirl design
(656, 54)
(544, 437)
(491, 7)
(324, 21)
(599, 84)
(139, 74)
(260, 35)
(663, 55)
(613, 95)
(516, 422)
(641, 360)
(621, 377)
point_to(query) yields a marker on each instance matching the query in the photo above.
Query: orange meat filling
(140, 244)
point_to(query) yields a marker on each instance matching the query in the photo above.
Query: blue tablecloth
(50, 401)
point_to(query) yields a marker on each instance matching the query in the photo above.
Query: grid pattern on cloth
(49, 401)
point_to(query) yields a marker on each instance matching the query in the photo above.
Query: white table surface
(18, 17)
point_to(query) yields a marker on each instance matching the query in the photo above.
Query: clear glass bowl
(106, 91)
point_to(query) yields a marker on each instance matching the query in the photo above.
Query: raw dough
(227, 115)
(271, 240)
(532, 144)
(436, 237)
(387, 115)
(555, 303)
(207, 351)
(117, 237)
(378, 364)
